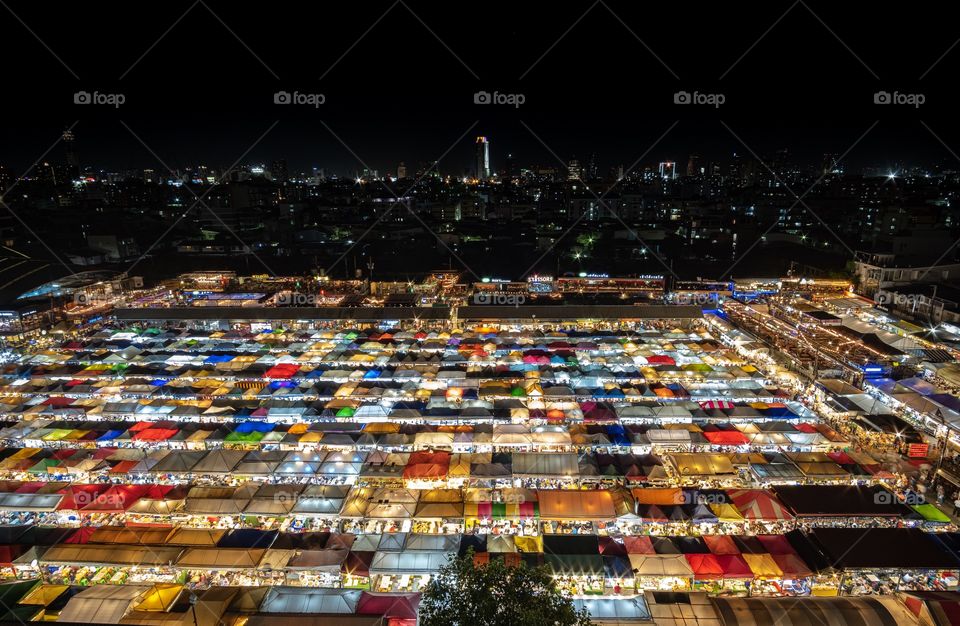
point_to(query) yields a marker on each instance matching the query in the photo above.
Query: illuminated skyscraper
(72, 163)
(668, 170)
(483, 158)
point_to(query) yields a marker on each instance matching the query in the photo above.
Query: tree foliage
(494, 594)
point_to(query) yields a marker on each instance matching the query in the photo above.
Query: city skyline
(117, 150)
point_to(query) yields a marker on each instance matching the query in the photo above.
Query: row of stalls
(172, 603)
(439, 469)
(821, 561)
(155, 374)
(617, 512)
(520, 436)
(450, 405)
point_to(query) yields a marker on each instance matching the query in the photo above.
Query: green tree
(495, 594)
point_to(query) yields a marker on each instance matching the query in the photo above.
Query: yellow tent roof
(726, 512)
(763, 565)
(298, 429)
(160, 597)
(381, 428)
(529, 544)
(43, 594)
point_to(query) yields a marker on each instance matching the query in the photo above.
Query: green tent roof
(931, 513)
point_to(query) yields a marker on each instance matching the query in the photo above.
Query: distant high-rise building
(46, 172)
(694, 165)
(831, 164)
(402, 170)
(592, 172)
(573, 170)
(483, 158)
(668, 170)
(72, 163)
(510, 172)
(279, 171)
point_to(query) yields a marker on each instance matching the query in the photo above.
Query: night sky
(399, 81)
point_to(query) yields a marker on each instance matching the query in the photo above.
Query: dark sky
(399, 80)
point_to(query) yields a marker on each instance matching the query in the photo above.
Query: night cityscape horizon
(399, 314)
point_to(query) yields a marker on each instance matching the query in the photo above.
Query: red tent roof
(78, 496)
(58, 401)
(155, 434)
(705, 566)
(117, 499)
(756, 504)
(82, 535)
(282, 370)
(792, 566)
(661, 359)
(123, 467)
(721, 544)
(726, 437)
(31, 487)
(734, 566)
(389, 605)
(640, 544)
(8, 553)
(776, 544)
(427, 465)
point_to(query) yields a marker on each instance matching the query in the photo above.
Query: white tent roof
(409, 562)
(102, 604)
(300, 600)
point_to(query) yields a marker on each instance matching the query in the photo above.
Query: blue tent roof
(248, 538)
(781, 412)
(110, 434)
(253, 426)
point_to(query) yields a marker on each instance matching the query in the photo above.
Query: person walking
(940, 494)
(956, 504)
